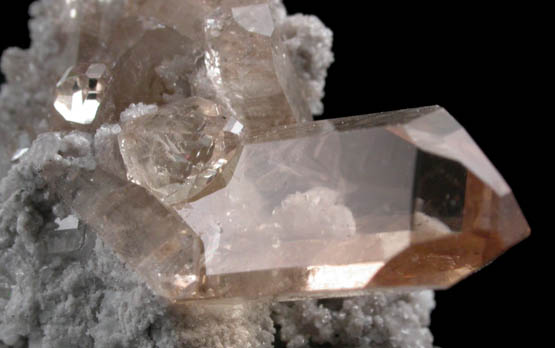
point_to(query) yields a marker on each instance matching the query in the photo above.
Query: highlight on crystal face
(212, 181)
(80, 92)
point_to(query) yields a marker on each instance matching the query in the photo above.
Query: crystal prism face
(146, 235)
(181, 151)
(186, 16)
(334, 208)
(80, 91)
(249, 68)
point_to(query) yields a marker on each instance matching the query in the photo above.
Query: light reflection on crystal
(328, 278)
(255, 19)
(80, 91)
(69, 223)
(186, 281)
(449, 140)
(19, 153)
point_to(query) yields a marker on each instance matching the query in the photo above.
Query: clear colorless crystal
(181, 151)
(80, 92)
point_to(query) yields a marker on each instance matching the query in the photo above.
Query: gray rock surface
(82, 295)
(381, 320)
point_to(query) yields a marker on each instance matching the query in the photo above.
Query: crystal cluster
(212, 181)
(228, 51)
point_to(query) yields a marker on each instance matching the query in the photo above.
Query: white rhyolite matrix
(60, 286)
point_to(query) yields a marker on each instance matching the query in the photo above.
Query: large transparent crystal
(333, 208)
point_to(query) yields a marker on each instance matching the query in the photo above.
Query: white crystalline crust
(310, 43)
(378, 321)
(88, 298)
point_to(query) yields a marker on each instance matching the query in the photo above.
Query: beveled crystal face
(182, 150)
(80, 92)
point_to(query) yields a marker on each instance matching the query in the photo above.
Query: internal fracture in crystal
(181, 150)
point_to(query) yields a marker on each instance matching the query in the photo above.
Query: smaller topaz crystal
(80, 91)
(180, 151)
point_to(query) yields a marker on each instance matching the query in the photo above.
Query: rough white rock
(310, 42)
(383, 319)
(31, 76)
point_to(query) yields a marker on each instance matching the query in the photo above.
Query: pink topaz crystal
(212, 182)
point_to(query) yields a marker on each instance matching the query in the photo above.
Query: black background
(480, 63)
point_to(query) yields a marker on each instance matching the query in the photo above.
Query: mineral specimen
(306, 210)
(219, 186)
(183, 139)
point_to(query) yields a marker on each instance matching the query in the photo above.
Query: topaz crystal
(334, 208)
(211, 180)
(182, 150)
